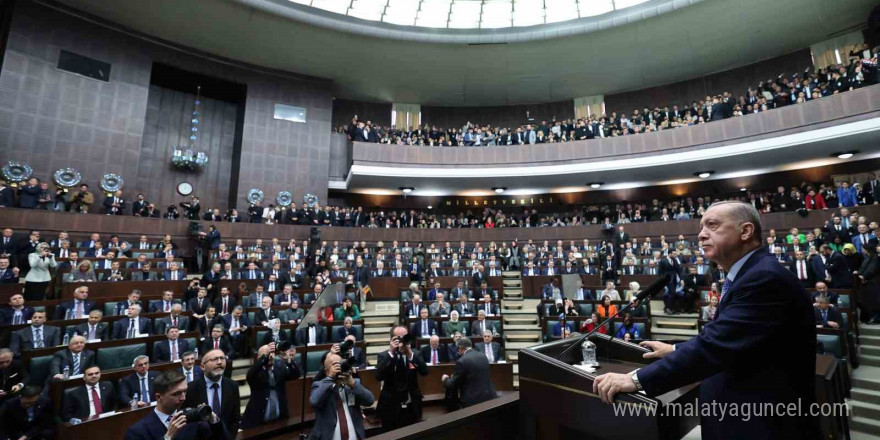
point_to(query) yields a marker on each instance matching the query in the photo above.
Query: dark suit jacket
(63, 358)
(8, 277)
(120, 328)
(416, 329)
(7, 314)
(7, 199)
(198, 374)
(230, 404)
(204, 325)
(342, 333)
(841, 273)
(139, 275)
(14, 420)
(102, 330)
(151, 428)
(23, 339)
(761, 347)
(302, 335)
(325, 403)
(194, 307)
(442, 353)
(400, 382)
(13, 375)
(471, 378)
(129, 385)
(162, 350)
(61, 310)
(480, 347)
(261, 315)
(218, 304)
(75, 403)
(833, 316)
(258, 381)
(810, 281)
(164, 323)
(208, 345)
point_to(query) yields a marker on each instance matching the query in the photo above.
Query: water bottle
(66, 372)
(134, 401)
(75, 421)
(66, 339)
(69, 314)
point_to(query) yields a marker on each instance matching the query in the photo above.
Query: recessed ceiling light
(499, 189)
(595, 185)
(406, 189)
(704, 174)
(743, 189)
(845, 154)
(430, 207)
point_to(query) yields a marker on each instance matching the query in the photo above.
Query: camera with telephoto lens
(348, 360)
(201, 413)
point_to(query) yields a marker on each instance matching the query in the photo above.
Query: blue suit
(150, 428)
(761, 348)
(857, 241)
(324, 400)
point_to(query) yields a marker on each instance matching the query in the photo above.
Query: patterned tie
(188, 377)
(96, 401)
(76, 363)
(724, 288)
(173, 350)
(145, 393)
(39, 342)
(91, 332)
(79, 309)
(434, 356)
(16, 319)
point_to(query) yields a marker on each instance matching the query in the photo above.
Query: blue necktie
(145, 393)
(76, 364)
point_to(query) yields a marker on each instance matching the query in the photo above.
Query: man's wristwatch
(635, 378)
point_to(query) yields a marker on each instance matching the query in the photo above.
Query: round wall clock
(184, 189)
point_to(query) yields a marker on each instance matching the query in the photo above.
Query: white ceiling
(703, 38)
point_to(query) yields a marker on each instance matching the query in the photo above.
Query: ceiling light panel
(592, 8)
(337, 6)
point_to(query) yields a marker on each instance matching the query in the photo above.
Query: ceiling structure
(737, 161)
(376, 61)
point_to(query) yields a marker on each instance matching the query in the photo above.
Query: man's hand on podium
(609, 384)
(659, 349)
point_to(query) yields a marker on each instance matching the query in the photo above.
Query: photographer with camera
(275, 364)
(171, 214)
(337, 398)
(168, 421)
(41, 261)
(400, 401)
(191, 209)
(82, 199)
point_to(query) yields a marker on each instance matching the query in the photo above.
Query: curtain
(589, 105)
(405, 116)
(824, 51)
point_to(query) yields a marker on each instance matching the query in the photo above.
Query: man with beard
(217, 391)
(400, 401)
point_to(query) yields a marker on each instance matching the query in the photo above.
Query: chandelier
(186, 157)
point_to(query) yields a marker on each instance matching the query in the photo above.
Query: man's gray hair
(138, 359)
(464, 343)
(743, 212)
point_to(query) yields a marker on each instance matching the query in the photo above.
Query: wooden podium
(557, 399)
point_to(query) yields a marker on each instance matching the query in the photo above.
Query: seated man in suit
(492, 350)
(826, 316)
(132, 326)
(207, 321)
(561, 328)
(487, 307)
(91, 399)
(380, 270)
(133, 298)
(251, 273)
(189, 368)
(173, 272)
(412, 309)
(465, 307)
(139, 263)
(471, 377)
(170, 350)
(198, 305)
(217, 341)
(531, 270)
(326, 397)
(35, 335)
(175, 318)
(79, 307)
(440, 307)
(459, 291)
(163, 305)
(138, 386)
(12, 375)
(424, 327)
(8, 275)
(225, 303)
(432, 294)
(311, 335)
(17, 312)
(346, 330)
(822, 290)
(434, 353)
(237, 325)
(75, 359)
(256, 297)
(265, 313)
(28, 416)
(286, 296)
(144, 274)
(481, 325)
(170, 387)
(484, 290)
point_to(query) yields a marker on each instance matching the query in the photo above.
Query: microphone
(653, 289)
(646, 293)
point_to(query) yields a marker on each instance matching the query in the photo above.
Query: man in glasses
(217, 391)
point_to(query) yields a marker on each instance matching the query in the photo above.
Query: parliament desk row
(585, 308)
(493, 321)
(533, 285)
(115, 425)
(642, 326)
(256, 332)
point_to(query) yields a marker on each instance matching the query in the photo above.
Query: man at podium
(759, 349)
